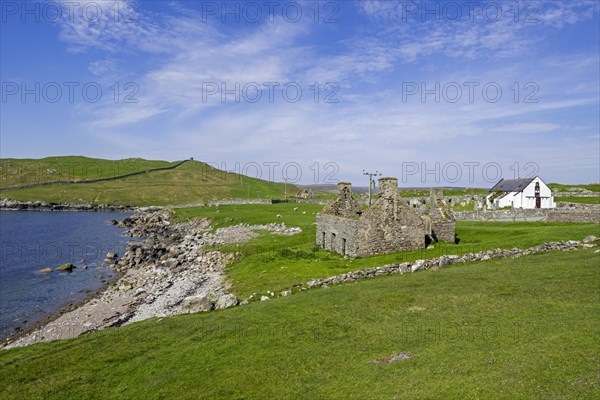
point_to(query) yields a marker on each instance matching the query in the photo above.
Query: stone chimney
(344, 188)
(436, 193)
(388, 187)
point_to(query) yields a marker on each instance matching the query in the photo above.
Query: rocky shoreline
(13, 205)
(167, 271)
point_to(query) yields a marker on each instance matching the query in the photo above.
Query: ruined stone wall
(380, 233)
(337, 234)
(389, 225)
(444, 230)
(442, 220)
(344, 205)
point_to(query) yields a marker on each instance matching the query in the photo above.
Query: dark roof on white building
(512, 185)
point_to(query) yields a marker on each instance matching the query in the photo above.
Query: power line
(371, 175)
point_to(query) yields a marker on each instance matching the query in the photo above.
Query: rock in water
(45, 270)
(65, 267)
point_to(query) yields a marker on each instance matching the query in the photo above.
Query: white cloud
(373, 125)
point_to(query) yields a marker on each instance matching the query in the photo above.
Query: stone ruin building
(440, 225)
(305, 194)
(388, 226)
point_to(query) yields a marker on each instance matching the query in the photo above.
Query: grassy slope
(14, 172)
(273, 262)
(507, 329)
(192, 182)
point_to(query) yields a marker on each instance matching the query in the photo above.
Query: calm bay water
(30, 241)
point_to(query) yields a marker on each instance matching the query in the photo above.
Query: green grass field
(192, 182)
(274, 263)
(506, 329)
(584, 200)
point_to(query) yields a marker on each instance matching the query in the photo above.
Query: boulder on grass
(226, 301)
(197, 303)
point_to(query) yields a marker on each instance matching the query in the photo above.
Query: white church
(520, 193)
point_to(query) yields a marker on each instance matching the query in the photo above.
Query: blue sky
(435, 93)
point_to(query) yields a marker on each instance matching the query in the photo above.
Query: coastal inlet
(34, 244)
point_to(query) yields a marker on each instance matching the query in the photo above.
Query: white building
(521, 193)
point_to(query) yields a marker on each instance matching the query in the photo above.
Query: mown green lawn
(526, 328)
(274, 263)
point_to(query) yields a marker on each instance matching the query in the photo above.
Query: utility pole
(371, 175)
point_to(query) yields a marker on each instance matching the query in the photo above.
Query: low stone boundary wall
(443, 261)
(502, 215)
(306, 201)
(576, 194)
(583, 214)
(224, 202)
(564, 205)
(590, 215)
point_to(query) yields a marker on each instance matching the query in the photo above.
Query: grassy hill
(191, 182)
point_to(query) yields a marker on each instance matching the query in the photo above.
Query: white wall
(528, 195)
(526, 198)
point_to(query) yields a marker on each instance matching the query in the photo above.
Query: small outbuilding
(528, 193)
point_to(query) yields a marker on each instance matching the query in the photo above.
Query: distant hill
(67, 180)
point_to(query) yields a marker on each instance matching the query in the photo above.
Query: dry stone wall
(532, 215)
(589, 215)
